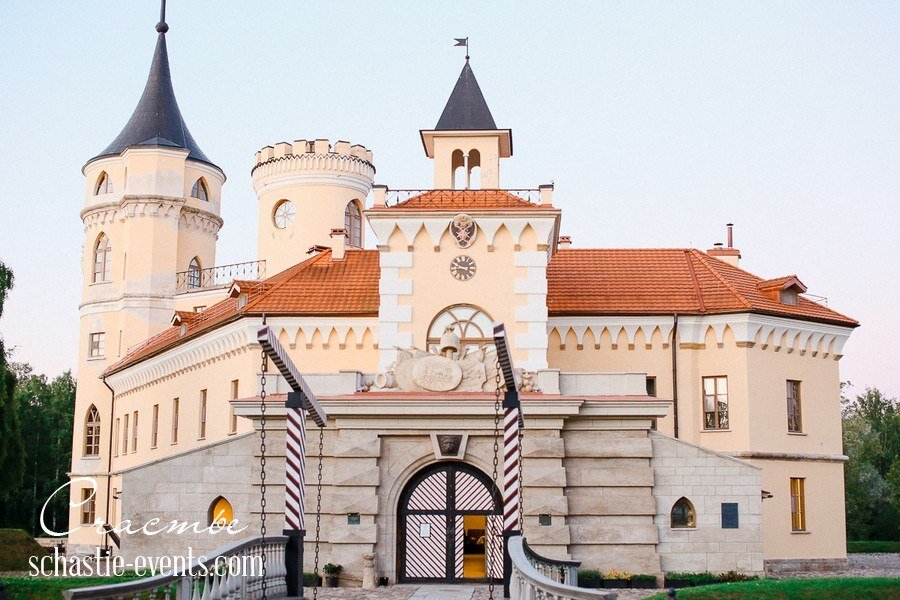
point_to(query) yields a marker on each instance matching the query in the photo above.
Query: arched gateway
(450, 527)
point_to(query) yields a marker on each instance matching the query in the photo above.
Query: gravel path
(858, 565)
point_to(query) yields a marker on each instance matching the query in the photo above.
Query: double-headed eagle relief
(463, 229)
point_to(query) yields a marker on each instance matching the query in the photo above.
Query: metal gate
(432, 512)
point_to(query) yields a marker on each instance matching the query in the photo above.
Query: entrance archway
(450, 526)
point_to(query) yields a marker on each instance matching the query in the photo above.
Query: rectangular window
(97, 345)
(88, 506)
(175, 421)
(154, 432)
(125, 435)
(798, 504)
(116, 438)
(134, 432)
(202, 414)
(730, 515)
(651, 386)
(234, 396)
(715, 402)
(793, 407)
(120, 343)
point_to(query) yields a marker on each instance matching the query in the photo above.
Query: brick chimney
(728, 252)
(565, 241)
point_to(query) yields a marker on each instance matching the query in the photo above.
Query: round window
(284, 214)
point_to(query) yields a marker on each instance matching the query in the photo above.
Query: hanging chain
(262, 469)
(318, 512)
(496, 463)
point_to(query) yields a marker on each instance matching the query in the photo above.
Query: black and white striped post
(512, 420)
(300, 401)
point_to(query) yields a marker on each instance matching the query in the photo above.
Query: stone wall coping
(227, 440)
(730, 457)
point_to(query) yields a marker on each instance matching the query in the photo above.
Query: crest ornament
(463, 229)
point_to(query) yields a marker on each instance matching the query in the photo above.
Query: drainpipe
(112, 408)
(675, 371)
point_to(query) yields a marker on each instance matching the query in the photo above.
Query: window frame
(235, 390)
(200, 190)
(91, 447)
(690, 517)
(97, 344)
(201, 433)
(175, 407)
(353, 224)
(433, 337)
(648, 386)
(124, 434)
(154, 427)
(195, 274)
(117, 428)
(88, 506)
(134, 433)
(795, 416)
(798, 504)
(716, 412)
(104, 184)
(101, 267)
(286, 218)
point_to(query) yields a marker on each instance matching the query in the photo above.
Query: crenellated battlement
(313, 155)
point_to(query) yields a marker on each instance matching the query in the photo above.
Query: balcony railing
(194, 280)
(438, 197)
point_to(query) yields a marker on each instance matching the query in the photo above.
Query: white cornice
(228, 340)
(748, 328)
(436, 222)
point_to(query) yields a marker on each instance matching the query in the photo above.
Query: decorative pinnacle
(162, 27)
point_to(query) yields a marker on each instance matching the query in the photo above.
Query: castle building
(681, 413)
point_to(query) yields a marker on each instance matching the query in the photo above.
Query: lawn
(873, 546)
(25, 587)
(791, 589)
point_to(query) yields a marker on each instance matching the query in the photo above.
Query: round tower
(152, 209)
(306, 190)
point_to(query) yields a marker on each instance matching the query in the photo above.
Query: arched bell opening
(450, 526)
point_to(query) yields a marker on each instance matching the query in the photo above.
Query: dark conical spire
(466, 109)
(157, 121)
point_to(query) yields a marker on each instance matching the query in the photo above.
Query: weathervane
(162, 27)
(459, 42)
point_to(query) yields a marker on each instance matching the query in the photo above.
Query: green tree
(12, 457)
(46, 409)
(872, 474)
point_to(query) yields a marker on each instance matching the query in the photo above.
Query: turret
(307, 189)
(152, 205)
(466, 144)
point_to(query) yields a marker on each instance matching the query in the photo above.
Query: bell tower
(152, 205)
(466, 144)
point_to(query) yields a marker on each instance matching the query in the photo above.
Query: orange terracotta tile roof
(580, 282)
(466, 200)
(316, 286)
(663, 281)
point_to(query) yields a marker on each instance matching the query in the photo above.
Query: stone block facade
(607, 487)
(706, 479)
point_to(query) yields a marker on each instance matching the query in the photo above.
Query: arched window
(104, 185)
(102, 259)
(473, 326)
(92, 432)
(353, 224)
(200, 191)
(473, 178)
(220, 512)
(683, 514)
(458, 170)
(194, 276)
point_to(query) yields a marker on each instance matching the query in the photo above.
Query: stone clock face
(463, 267)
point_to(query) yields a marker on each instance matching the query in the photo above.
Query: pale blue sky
(659, 122)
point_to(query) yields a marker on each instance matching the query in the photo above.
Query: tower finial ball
(162, 27)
